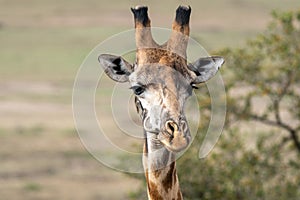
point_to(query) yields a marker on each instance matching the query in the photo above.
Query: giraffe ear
(205, 68)
(115, 67)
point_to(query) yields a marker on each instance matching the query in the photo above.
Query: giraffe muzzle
(175, 136)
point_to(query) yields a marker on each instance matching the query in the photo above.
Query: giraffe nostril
(171, 127)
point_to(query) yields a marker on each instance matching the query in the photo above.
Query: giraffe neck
(160, 171)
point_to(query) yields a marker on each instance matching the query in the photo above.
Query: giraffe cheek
(150, 126)
(147, 124)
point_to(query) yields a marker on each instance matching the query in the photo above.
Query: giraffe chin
(175, 143)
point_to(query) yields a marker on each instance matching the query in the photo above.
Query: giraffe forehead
(158, 74)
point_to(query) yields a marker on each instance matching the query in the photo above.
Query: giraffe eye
(138, 90)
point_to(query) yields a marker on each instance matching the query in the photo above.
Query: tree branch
(295, 138)
(283, 92)
(293, 132)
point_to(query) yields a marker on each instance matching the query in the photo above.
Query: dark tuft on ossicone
(183, 15)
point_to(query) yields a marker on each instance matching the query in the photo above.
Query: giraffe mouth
(174, 142)
(174, 136)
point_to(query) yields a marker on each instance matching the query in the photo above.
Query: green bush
(268, 69)
(235, 171)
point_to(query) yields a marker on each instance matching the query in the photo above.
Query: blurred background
(44, 42)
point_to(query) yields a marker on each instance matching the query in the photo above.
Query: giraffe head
(161, 78)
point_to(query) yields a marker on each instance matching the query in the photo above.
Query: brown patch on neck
(168, 180)
(179, 195)
(153, 192)
(156, 173)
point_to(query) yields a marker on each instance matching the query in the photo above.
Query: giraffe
(162, 80)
